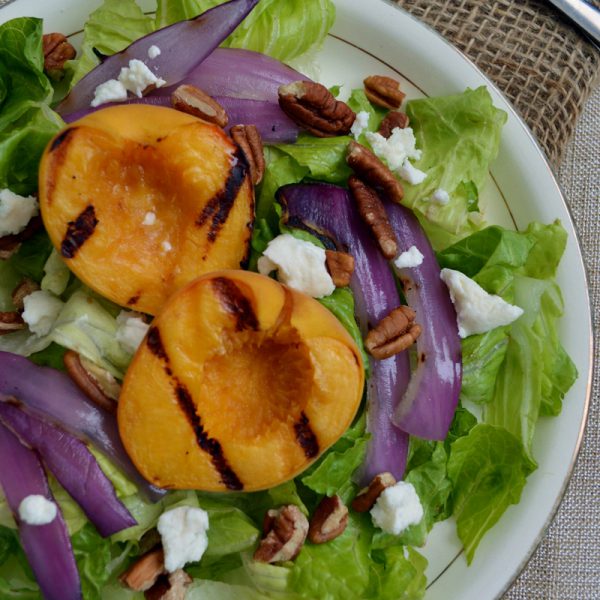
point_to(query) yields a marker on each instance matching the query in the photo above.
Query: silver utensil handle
(584, 14)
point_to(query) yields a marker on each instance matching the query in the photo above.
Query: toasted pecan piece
(10, 322)
(170, 587)
(285, 530)
(57, 51)
(394, 119)
(366, 498)
(192, 100)
(340, 266)
(384, 91)
(247, 138)
(373, 213)
(393, 333)
(143, 573)
(313, 107)
(23, 289)
(328, 521)
(373, 172)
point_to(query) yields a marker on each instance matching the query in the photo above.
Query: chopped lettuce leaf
(26, 121)
(93, 556)
(30, 258)
(459, 136)
(9, 279)
(56, 275)
(109, 29)
(284, 30)
(359, 102)
(398, 574)
(488, 469)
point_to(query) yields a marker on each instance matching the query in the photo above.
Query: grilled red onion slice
(183, 45)
(427, 408)
(73, 465)
(330, 209)
(51, 395)
(47, 547)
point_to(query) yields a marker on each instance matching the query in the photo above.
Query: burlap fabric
(548, 70)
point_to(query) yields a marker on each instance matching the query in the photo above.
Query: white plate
(372, 37)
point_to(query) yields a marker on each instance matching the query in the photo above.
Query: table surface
(566, 565)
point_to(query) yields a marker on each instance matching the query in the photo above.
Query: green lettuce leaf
(93, 556)
(31, 257)
(284, 30)
(109, 29)
(488, 469)
(459, 136)
(26, 121)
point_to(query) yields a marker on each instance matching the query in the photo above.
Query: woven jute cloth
(548, 71)
(541, 63)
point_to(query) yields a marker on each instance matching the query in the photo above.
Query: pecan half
(192, 100)
(340, 266)
(57, 51)
(96, 383)
(313, 107)
(171, 587)
(143, 573)
(250, 143)
(328, 521)
(384, 91)
(10, 321)
(366, 498)
(373, 213)
(26, 287)
(393, 119)
(393, 333)
(9, 244)
(285, 530)
(372, 171)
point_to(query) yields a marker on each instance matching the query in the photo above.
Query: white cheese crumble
(131, 330)
(15, 212)
(360, 124)
(166, 246)
(299, 264)
(149, 218)
(440, 196)
(411, 174)
(397, 508)
(183, 533)
(137, 77)
(411, 258)
(153, 52)
(36, 509)
(109, 91)
(476, 310)
(400, 146)
(41, 311)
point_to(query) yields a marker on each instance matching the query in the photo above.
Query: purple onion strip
(73, 465)
(52, 396)
(330, 208)
(427, 408)
(47, 547)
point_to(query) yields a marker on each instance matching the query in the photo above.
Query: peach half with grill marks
(240, 384)
(140, 200)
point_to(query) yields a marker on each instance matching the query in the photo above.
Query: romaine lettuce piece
(284, 30)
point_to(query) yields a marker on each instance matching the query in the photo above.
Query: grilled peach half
(141, 200)
(240, 384)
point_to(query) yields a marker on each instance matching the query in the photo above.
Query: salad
(376, 363)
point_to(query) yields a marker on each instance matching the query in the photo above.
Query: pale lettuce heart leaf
(283, 30)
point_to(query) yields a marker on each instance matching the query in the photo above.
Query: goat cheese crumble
(411, 174)
(360, 124)
(299, 264)
(476, 310)
(397, 508)
(411, 258)
(131, 330)
(440, 196)
(36, 509)
(183, 533)
(137, 77)
(109, 91)
(153, 52)
(15, 212)
(41, 309)
(396, 149)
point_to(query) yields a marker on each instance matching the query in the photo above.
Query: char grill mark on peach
(134, 299)
(61, 138)
(209, 445)
(306, 437)
(79, 231)
(219, 206)
(235, 303)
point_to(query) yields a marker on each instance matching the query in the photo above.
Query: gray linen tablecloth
(566, 566)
